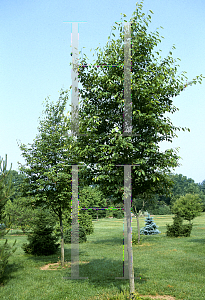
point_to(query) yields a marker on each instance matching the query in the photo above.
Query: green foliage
(92, 197)
(182, 186)
(85, 221)
(5, 186)
(19, 213)
(118, 214)
(177, 229)
(188, 206)
(16, 181)
(49, 160)
(124, 295)
(41, 239)
(5, 193)
(160, 210)
(85, 227)
(135, 238)
(68, 232)
(154, 84)
(5, 253)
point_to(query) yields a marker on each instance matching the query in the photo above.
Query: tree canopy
(154, 85)
(188, 207)
(48, 169)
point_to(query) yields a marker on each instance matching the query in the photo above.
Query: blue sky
(35, 63)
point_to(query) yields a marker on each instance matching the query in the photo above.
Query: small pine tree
(5, 193)
(41, 240)
(5, 252)
(150, 227)
(177, 229)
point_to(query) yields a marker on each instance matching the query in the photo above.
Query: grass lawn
(173, 267)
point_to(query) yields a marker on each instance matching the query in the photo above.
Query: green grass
(167, 266)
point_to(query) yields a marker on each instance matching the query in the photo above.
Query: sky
(35, 63)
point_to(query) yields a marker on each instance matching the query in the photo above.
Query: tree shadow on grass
(98, 271)
(104, 271)
(201, 241)
(9, 272)
(109, 241)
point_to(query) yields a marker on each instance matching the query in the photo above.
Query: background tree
(182, 185)
(16, 180)
(90, 197)
(48, 164)
(154, 85)
(20, 214)
(188, 207)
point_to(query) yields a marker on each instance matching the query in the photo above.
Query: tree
(182, 186)
(5, 186)
(177, 229)
(5, 193)
(150, 227)
(48, 171)
(41, 240)
(20, 214)
(138, 205)
(90, 197)
(16, 180)
(154, 84)
(188, 207)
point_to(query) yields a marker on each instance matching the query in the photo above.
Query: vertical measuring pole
(127, 125)
(74, 77)
(74, 132)
(128, 269)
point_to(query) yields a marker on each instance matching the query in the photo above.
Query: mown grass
(167, 266)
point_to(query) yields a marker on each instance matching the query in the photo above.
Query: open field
(167, 266)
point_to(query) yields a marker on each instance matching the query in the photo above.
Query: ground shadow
(9, 272)
(201, 241)
(104, 271)
(109, 241)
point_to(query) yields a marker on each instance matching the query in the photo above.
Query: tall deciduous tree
(48, 164)
(154, 84)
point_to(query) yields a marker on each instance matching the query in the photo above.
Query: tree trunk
(62, 241)
(127, 210)
(97, 215)
(138, 226)
(130, 256)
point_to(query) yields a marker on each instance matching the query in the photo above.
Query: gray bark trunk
(138, 226)
(62, 242)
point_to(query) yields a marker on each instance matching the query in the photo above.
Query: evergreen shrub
(86, 227)
(5, 252)
(41, 239)
(150, 227)
(177, 229)
(82, 235)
